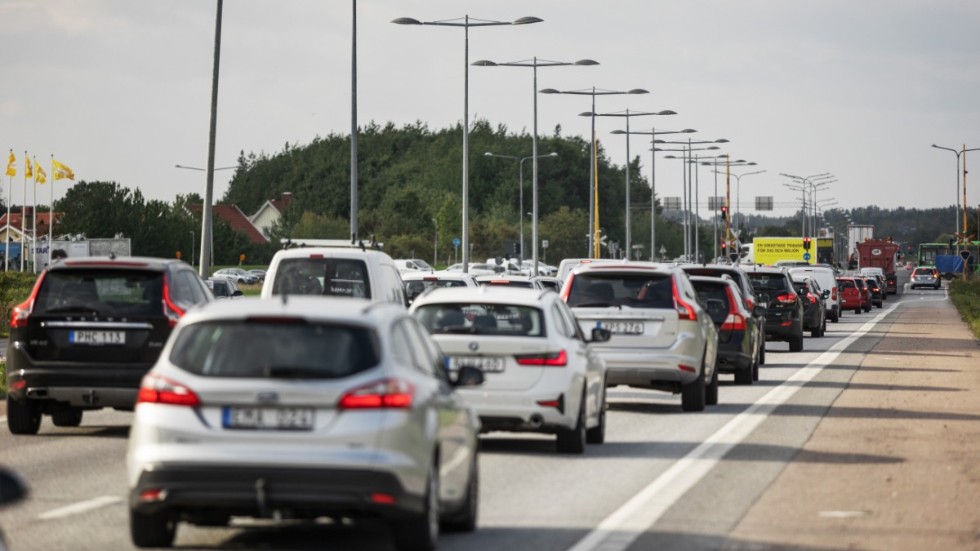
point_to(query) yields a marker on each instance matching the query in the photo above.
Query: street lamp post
(593, 232)
(520, 185)
(206, 230)
(466, 22)
(626, 115)
(956, 213)
(207, 238)
(803, 183)
(653, 133)
(534, 63)
(192, 248)
(738, 193)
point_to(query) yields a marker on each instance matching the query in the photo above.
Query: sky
(120, 90)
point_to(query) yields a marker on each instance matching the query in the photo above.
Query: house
(43, 221)
(255, 227)
(270, 212)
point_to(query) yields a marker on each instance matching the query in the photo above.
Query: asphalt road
(663, 478)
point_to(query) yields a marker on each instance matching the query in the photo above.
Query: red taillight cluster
(159, 390)
(786, 298)
(171, 310)
(384, 393)
(684, 310)
(734, 321)
(558, 359)
(22, 312)
(811, 298)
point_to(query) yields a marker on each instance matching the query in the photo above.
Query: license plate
(97, 338)
(624, 327)
(485, 364)
(267, 418)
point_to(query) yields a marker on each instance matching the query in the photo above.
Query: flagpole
(23, 215)
(34, 222)
(6, 241)
(51, 214)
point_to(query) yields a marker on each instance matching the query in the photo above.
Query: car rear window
(846, 283)
(482, 319)
(768, 282)
(274, 349)
(636, 290)
(714, 298)
(342, 277)
(922, 271)
(115, 292)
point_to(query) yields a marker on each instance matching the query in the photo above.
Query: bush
(15, 287)
(966, 296)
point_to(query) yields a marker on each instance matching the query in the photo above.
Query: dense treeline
(410, 199)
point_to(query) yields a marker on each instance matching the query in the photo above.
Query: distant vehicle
(880, 253)
(335, 271)
(567, 265)
(91, 328)
(508, 280)
(814, 309)
(926, 276)
(258, 274)
(475, 269)
(417, 283)
(542, 373)
(238, 274)
(784, 308)
(298, 409)
(746, 293)
(875, 288)
(406, 265)
(738, 328)
(662, 338)
(862, 285)
(223, 287)
(826, 278)
(857, 233)
(850, 295)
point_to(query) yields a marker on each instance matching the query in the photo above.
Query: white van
(826, 279)
(332, 271)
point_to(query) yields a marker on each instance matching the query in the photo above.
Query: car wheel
(834, 315)
(421, 532)
(67, 417)
(796, 344)
(867, 308)
(815, 332)
(152, 530)
(857, 310)
(711, 392)
(693, 394)
(762, 354)
(464, 520)
(573, 440)
(755, 372)
(744, 376)
(23, 417)
(597, 434)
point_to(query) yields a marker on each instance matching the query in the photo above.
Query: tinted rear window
(768, 282)
(634, 290)
(509, 283)
(482, 319)
(714, 298)
(845, 283)
(115, 292)
(274, 350)
(343, 277)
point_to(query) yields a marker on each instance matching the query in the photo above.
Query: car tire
(796, 344)
(152, 530)
(744, 376)
(857, 310)
(755, 371)
(693, 394)
(464, 520)
(867, 308)
(67, 417)
(711, 391)
(23, 417)
(834, 315)
(762, 353)
(573, 440)
(597, 434)
(421, 532)
(815, 332)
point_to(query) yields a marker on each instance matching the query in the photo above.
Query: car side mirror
(600, 334)
(825, 294)
(469, 376)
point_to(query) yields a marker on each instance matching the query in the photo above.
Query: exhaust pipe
(536, 421)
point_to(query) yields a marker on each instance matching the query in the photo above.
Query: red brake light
(159, 390)
(684, 310)
(20, 314)
(384, 393)
(567, 288)
(558, 359)
(734, 321)
(171, 310)
(786, 298)
(811, 298)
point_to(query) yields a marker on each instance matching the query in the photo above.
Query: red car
(853, 297)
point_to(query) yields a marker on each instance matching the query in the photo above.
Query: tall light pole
(689, 152)
(653, 133)
(626, 114)
(520, 185)
(206, 213)
(206, 232)
(738, 193)
(956, 213)
(534, 63)
(593, 232)
(353, 124)
(466, 22)
(803, 183)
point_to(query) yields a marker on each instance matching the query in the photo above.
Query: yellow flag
(60, 171)
(12, 165)
(27, 168)
(39, 175)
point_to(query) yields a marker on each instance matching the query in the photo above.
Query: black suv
(748, 297)
(91, 328)
(784, 309)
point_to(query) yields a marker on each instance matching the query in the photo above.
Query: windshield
(341, 277)
(636, 290)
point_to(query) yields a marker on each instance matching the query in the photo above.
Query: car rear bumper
(645, 367)
(731, 360)
(522, 411)
(258, 491)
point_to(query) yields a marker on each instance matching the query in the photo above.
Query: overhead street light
(205, 215)
(534, 63)
(521, 187)
(689, 197)
(804, 183)
(626, 115)
(593, 164)
(653, 133)
(956, 213)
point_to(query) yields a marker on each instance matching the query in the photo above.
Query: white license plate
(97, 338)
(267, 418)
(485, 364)
(624, 327)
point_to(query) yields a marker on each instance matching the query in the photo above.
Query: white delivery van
(826, 279)
(334, 271)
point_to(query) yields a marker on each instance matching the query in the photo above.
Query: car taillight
(734, 321)
(786, 298)
(171, 310)
(811, 298)
(384, 393)
(833, 293)
(159, 390)
(566, 290)
(558, 359)
(22, 312)
(684, 310)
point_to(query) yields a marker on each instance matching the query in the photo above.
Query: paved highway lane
(683, 479)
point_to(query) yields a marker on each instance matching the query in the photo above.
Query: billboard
(769, 250)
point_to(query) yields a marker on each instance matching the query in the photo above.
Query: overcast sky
(120, 89)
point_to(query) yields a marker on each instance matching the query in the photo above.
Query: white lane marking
(80, 507)
(3, 418)
(844, 514)
(618, 531)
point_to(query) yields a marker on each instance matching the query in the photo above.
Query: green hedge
(15, 287)
(966, 296)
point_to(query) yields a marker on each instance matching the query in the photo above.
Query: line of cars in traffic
(327, 397)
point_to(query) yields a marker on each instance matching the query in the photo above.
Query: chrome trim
(97, 325)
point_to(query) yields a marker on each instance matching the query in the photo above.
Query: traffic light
(724, 212)
(806, 243)
(724, 248)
